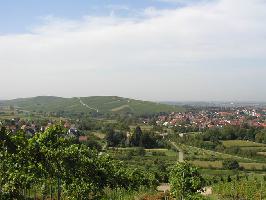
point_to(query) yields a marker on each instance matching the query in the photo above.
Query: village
(215, 117)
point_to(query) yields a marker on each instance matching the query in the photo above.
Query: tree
(136, 137)
(261, 136)
(115, 138)
(185, 181)
(230, 164)
(229, 179)
(149, 140)
(110, 136)
(93, 144)
(51, 158)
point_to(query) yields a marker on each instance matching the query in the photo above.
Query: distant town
(194, 118)
(209, 117)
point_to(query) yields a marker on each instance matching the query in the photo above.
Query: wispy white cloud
(187, 2)
(194, 52)
(117, 7)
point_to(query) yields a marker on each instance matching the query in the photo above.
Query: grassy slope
(247, 145)
(242, 143)
(210, 159)
(105, 104)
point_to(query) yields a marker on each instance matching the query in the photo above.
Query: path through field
(180, 152)
(163, 187)
(207, 191)
(83, 104)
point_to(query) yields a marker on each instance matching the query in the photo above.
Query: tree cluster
(232, 133)
(139, 138)
(52, 160)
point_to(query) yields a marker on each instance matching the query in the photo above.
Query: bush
(230, 164)
(140, 151)
(93, 144)
(185, 181)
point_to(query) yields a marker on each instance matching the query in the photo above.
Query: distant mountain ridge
(99, 104)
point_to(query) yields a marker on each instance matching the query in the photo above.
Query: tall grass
(124, 194)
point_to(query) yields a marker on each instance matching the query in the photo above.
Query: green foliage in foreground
(124, 194)
(241, 189)
(51, 157)
(186, 181)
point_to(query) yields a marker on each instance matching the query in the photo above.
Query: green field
(254, 148)
(218, 165)
(143, 127)
(202, 158)
(98, 135)
(242, 143)
(100, 104)
(195, 153)
(208, 162)
(168, 157)
(25, 115)
(208, 159)
(259, 148)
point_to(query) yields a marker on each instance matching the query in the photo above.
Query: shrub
(185, 181)
(230, 164)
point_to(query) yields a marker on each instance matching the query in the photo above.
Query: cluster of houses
(31, 127)
(215, 117)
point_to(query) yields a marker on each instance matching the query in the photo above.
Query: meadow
(242, 143)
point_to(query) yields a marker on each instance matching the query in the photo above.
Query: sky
(161, 50)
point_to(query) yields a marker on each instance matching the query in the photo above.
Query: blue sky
(20, 15)
(178, 50)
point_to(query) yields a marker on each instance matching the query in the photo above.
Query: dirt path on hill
(83, 104)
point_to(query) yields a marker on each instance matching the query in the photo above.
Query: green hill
(100, 104)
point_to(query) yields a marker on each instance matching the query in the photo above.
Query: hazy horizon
(159, 50)
(153, 100)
